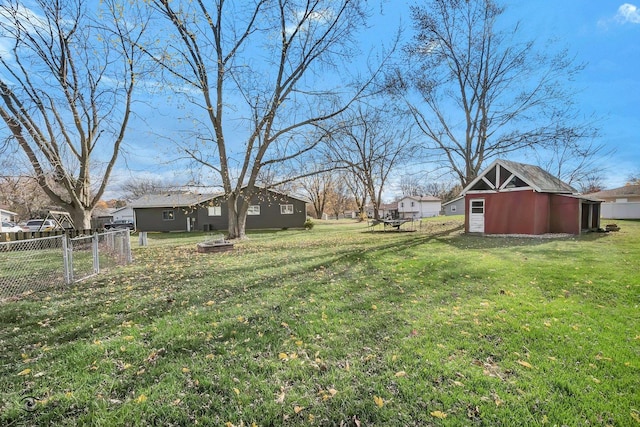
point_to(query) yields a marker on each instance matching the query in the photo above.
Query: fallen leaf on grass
(297, 409)
(141, 399)
(378, 401)
(280, 398)
(438, 414)
(401, 374)
(24, 372)
(525, 364)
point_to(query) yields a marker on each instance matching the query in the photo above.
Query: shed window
(453, 208)
(253, 210)
(286, 209)
(215, 210)
(168, 215)
(477, 206)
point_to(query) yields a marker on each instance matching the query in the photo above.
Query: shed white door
(476, 216)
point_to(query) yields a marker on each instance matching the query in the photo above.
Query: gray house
(454, 207)
(180, 211)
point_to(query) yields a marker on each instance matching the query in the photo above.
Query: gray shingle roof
(534, 176)
(631, 190)
(538, 178)
(169, 199)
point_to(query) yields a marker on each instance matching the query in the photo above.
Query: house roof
(629, 190)
(422, 198)
(534, 176)
(453, 201)
(186, 199)
(169, 199)
(3, 209)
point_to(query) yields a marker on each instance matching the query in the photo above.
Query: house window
(402, 204)
(286, 209)
(413, 204)
(253, 210)
(215, 210)
(168, 215)
(453, 208)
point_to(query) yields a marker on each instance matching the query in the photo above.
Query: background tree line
(274, 96)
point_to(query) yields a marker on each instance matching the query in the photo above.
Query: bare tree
(371, 143)
(257, 73)
(339, 198)
(358, 191)
(318, 189)
(591, 184)
(482, 93)
(412, 185)
(138, 187)
(23, 196)
(66, 93)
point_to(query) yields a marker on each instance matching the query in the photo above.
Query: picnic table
(391, 223)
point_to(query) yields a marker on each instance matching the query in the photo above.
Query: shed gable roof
(505, 174)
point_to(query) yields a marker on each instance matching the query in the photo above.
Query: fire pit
(215, 244)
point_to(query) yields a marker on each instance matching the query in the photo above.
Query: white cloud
(628, 13)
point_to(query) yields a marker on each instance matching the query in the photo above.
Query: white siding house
(124, 213)
(419, 207)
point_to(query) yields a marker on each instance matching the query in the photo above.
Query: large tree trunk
(81, 218)
(237, 208)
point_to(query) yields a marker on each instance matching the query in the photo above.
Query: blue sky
(603, 34)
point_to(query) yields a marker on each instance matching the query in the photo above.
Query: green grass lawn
(337, 326)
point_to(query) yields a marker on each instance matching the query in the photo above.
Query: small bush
(308, 224)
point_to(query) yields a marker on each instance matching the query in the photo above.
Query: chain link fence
(38, 264)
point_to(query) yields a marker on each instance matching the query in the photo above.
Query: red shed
(516, 198)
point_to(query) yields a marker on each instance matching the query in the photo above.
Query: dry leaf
(280, 398)
(379, 401)
(401, 374)
(297, 409)
(283, 356)
(24, 372)
(525, 364)
(142, 398)
(439, 414)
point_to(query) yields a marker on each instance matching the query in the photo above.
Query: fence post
(67, 260)
(127, 247)
(96, 253)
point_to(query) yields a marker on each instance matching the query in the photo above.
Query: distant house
(454, 207)
(208, 212)
(6, 215)
(416, 207)
(386, 210)
(517, 198)
(620, 203)
(124, 213)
